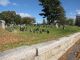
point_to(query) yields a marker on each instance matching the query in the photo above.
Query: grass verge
(9, 40)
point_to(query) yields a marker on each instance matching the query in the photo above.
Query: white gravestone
(2, 24)
(56, 23)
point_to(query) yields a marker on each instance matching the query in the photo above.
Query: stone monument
(2, 24)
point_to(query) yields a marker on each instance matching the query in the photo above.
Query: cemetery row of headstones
(35, 30)
(11, 27)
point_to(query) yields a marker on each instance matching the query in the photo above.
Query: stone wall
(46, 51)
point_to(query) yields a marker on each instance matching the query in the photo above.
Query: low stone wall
(47, 51)
(56, 50)
(19, 54)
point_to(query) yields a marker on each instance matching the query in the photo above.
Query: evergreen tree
(52, 10)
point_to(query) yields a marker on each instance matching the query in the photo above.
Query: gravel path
(73, 53)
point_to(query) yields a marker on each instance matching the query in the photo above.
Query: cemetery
(11, 37)
(39, 30)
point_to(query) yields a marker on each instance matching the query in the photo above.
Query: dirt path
(73, 53)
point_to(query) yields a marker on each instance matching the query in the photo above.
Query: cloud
(25, 15)
(6, 2)
(78, 11)
(71, 15)
(14, 4)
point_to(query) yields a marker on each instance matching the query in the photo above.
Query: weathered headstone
(2, 24)
(56, 23)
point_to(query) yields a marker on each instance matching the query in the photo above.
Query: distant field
(18, 38)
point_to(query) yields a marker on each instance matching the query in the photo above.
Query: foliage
(11, 17)
(52, 10)
(28, 20)
(17, 19)
(8, 16)
(70, 21)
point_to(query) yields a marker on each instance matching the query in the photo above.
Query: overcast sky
(31, 7)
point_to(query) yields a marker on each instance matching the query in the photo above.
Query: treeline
(54, 13)
(11, 17)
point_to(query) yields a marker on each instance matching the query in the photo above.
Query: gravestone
(56, 23)
(2, 24)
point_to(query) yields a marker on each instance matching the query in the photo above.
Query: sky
(31, 8)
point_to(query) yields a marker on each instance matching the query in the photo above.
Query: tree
(17, 19)
(8, 16)
(28, 20)
(70, 21)
(52, 10)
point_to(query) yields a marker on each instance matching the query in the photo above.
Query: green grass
(29, 38)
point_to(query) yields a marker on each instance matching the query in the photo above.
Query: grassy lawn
(9, 40)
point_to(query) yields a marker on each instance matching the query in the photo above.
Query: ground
(73, 53)
(18, 38)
